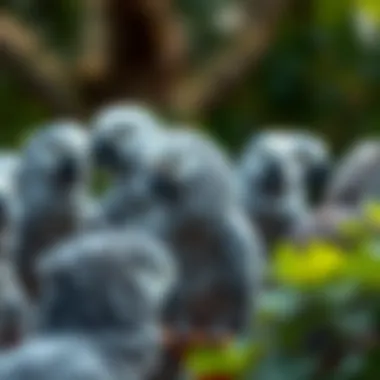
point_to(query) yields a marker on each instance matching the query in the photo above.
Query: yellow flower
(231, 360)
(318, 263)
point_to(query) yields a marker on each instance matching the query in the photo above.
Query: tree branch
(133, 49)
(208, 85)
(93, 60)
(22, 51)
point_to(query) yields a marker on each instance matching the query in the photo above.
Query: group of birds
(177, 243)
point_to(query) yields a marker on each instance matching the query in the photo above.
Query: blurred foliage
(19, 112)
(320, 73)
(325, 323)
(319, 320)
(322, 320)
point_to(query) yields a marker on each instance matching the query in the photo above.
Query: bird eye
(166, 189)
(68, 171)
(316, 181)
(272, 180)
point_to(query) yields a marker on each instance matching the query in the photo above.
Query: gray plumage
(218, 253)
(111, 278)
(355, 180)
(221, 266)
(119, 133)
(357, 176)
(279, 174)
(64, 358)
(100, 308)
(52, 190)
(192, 176)
(124, 137)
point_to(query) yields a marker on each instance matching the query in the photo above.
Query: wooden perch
(209, 84)
(22, 51)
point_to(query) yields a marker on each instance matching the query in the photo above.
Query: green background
(317, 73)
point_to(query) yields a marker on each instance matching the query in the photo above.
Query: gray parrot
(52, 187)
(123, 139)
(219, 254)
(99, 310)
(354, 181)
(282, 176)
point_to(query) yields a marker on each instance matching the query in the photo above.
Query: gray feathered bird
(101, 300)
(219, 253)
(354, 181)
(124, 137)
(52, 191)
(189, 164)
(281, 176)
